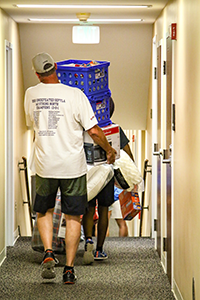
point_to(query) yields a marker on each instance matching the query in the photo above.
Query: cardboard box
(130, 204)
(94, 153)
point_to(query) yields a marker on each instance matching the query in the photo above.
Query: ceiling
(22, 15)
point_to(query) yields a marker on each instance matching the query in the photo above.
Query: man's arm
(124, 143)
(97, 134)
(127, 149)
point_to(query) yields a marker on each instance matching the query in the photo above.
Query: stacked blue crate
(92, 79)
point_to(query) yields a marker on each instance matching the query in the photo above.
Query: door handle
(156, 151)
(166, 161)
(166, 157)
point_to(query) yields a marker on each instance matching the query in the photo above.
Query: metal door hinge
(151, 113)
(164, 244)
(173, 117)
(164, 67)
(155, 224)
(155, 73)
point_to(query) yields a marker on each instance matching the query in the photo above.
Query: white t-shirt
(58, 114)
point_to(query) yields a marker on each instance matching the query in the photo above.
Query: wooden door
(167, 152)
(158, 222)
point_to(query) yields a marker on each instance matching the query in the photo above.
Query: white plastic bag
(126, 172)
(97, 178)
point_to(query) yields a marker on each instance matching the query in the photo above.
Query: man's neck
(49, 79)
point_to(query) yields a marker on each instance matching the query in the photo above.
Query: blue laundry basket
(101, 107)
(90, 79)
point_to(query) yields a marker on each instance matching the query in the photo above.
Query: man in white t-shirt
(58, 115)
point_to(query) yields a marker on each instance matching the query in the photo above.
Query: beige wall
(127, 47)
(186, 187)
(2, 149)
(9, 32)
(187, 154)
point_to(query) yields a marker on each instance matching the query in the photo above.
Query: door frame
(158, 149)
(9, 146)
(155, 44)
(154, 140)
(172, 166)
(168, 130)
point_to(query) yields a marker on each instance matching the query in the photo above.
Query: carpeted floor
(132, 271)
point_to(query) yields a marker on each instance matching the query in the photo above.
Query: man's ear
(38, 75)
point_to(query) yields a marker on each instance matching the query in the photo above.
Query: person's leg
(105, 199)
(44, 205)
(88, 257)
(88, 222)
(73, 205)
(109, 215)
(102, 226)
(45, 227)
(123, 229)
(72, 238)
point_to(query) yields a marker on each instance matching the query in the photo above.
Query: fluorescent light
(53, 20)
(80, 6)
(85, 34)
(115, 20)
(90, 20)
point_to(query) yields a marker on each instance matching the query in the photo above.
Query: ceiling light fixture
(85, 33)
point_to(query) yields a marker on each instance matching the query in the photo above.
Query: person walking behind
(114, 212)
(58, 115)
(115, 209)
(104, 199)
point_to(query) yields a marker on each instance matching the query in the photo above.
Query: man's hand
(111, 155)
(99, 138)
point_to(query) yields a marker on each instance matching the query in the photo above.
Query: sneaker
(88, 257)
(48, 264)
(68, 276)
(98, 255)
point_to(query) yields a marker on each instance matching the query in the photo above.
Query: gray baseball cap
(42, 63)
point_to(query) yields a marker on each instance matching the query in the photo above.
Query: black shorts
(105, 197)
(73, 195)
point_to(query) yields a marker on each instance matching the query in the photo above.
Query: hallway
(133, 271)
(132, 50)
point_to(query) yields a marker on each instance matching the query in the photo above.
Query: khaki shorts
(73, 195)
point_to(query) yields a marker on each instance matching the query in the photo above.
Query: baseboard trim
(163, 262)
(176, 291)
(3, 252)
(2, 256)
(16, 236)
